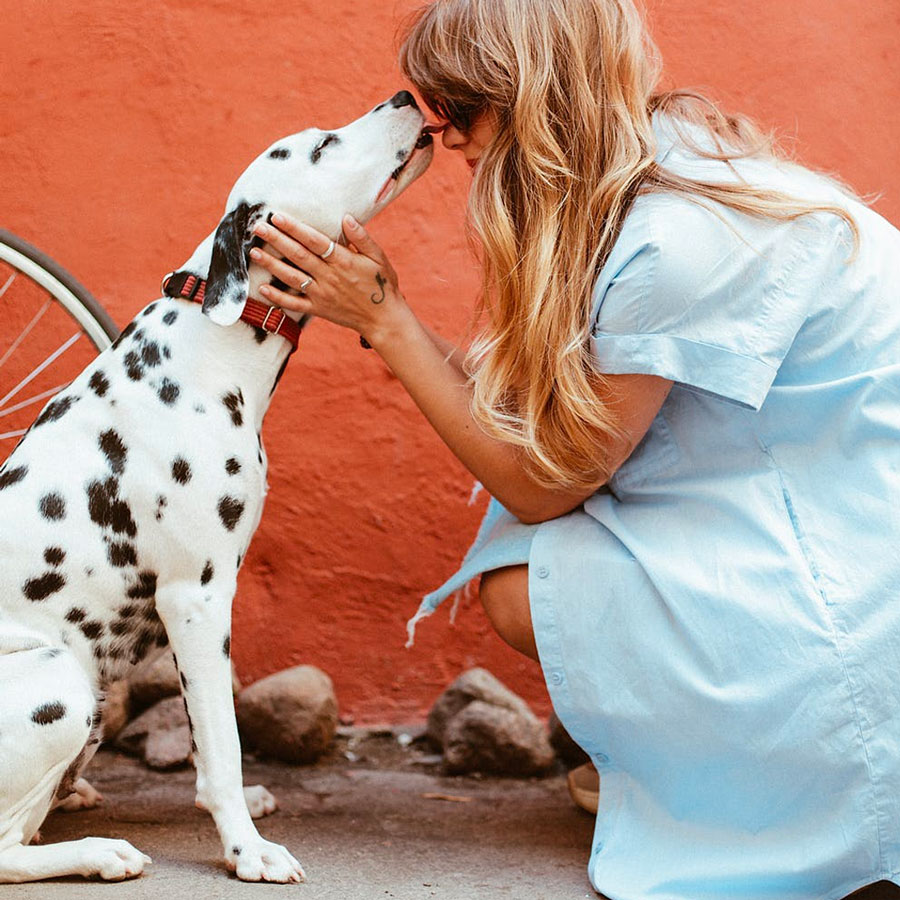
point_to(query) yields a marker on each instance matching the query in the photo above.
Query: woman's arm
(359, 290)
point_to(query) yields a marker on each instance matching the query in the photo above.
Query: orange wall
(123, 127)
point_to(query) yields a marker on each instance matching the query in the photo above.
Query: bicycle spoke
(35, 399)
(27, 330)
(47, 362)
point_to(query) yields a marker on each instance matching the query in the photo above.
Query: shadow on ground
(359, 821)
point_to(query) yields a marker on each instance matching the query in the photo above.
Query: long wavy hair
(571, 86)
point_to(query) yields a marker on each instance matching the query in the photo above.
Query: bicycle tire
(78, 301)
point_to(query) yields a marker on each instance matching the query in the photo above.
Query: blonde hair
(571, 84)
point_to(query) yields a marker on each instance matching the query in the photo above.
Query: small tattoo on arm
(381, 283)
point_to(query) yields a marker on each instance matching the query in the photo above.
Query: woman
(685, 402)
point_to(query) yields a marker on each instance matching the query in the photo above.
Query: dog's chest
(145, 471)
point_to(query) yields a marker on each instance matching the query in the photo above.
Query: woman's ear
(228, 282)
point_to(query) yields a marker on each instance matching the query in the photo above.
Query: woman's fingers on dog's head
(312, 240)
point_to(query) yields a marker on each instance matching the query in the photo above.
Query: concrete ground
(360, 822)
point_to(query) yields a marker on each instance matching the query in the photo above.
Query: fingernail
(265, 290)
(351, 221)
(278, 219)
(255, 254)
(262, 230)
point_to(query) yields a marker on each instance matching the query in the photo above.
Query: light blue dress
(719, 627)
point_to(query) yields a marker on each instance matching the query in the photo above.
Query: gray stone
(566, 749)
(472, 685)
(291, 715)
(168, 748)
(152, 682)
(496, 740)
(148, 731)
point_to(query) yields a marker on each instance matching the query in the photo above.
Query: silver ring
(328, 252)
(305, 285)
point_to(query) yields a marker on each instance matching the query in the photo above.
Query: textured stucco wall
(123, 127)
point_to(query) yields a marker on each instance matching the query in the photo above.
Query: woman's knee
(504, 595)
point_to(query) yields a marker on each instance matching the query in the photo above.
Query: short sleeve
(706, 298)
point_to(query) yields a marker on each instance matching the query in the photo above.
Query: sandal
(584, 787)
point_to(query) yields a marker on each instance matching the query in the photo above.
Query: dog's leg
(199, 627)
(84, 796)
(46, 708)
(110, 859)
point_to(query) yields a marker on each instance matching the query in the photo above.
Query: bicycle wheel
(53, 328)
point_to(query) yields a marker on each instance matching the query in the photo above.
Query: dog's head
(317, 177)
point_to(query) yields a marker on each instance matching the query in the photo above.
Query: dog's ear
(228, 281)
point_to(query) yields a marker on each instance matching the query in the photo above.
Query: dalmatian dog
(126, 509)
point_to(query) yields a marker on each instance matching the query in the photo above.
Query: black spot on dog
(41, 588)
(236, 850)
(166, 351)
(170, 317)
(48, 713)
(207, 574)
(226, 646)
(169, 391)
(54, 555)
(232, 466)
(126, 612)
(122, 626)
(133, 368)
(145, 588)
(53, 507)
(126, 333)
(234, 403)
(240, 558)
(99, 383)
(280, 153)
(52, 653)
(121, 554)
(142, 646)
(230, 511)
(260, 334)
(184, 681)
(162, 639)
(107, 510)
(92, 630)
(75, 615)
(150, 354)
(316, 155)
(161, 503)
(114, 449)
(150, 308)
(181, 470)
(200, 409)
(12, 476)
(55, 410)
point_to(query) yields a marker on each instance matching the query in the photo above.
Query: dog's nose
(402, 98)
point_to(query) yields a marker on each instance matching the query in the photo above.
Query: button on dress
(719, 626)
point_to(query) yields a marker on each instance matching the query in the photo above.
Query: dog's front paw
(264, 861)
(259, 801)
(111, 860)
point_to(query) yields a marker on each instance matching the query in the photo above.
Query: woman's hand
(355, 286)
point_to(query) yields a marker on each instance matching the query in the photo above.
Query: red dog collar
(259, 315)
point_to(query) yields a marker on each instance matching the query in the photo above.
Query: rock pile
(291, 715)
(482, 726)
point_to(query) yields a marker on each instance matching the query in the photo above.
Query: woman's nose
(453, 138)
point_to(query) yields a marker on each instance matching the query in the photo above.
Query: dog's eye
(317, 152)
